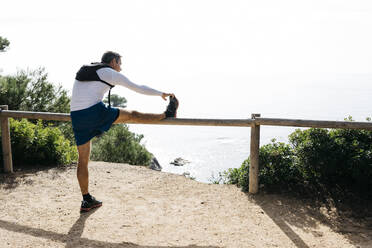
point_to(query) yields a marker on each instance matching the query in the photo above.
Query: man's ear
(112, 63)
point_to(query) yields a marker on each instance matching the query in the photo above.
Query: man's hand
(165, 95)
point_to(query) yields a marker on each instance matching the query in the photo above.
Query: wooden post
(254, 166)
(5, 140)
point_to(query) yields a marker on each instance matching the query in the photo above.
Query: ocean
(211, 150)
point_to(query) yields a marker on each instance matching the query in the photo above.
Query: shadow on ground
(286, 212)
(74, 237)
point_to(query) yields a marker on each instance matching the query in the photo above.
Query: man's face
(116, 65)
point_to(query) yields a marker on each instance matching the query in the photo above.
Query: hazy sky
(212, 54)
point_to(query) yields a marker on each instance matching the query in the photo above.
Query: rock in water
(179, 162)
(154, 164)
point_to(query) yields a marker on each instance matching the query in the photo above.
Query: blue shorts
(90, 122)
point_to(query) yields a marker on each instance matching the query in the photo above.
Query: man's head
(113, 59)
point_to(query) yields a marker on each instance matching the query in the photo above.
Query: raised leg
(135, 116)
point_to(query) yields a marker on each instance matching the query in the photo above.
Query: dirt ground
(143, 208)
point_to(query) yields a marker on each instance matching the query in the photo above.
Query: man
(90, 117)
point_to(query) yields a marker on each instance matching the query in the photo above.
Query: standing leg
(89, 202)
(82, 169)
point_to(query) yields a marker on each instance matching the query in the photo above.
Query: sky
(222, 58)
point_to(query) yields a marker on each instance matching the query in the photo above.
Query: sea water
(211, 150)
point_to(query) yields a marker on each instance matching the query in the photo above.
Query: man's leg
(82, 169)
(89, 202)
(135, 116)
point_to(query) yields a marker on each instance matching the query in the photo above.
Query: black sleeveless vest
(89, 73)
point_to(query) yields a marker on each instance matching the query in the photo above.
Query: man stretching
(90, 117)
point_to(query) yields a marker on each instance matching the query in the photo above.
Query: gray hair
(108, 56)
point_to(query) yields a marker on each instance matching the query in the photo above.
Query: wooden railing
(254, 123)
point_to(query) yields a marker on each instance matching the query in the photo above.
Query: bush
(238, 176)
(121, 146)
(276, 167)
(335, 158)
(329, 160)
(34, 144)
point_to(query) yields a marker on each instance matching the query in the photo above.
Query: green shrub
(321, 159)
(66, 129)
(34, 144)
(336, 158)
(315, 153)
(121, 146)
(276, 167)
(238, 176)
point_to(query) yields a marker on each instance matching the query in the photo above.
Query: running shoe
(172, 107)
(86, 206)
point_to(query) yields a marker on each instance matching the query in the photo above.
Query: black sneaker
(172, 107)
(86, 206)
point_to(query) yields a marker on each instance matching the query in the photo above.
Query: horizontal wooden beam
(208, 122)
(203, 122)
(36, 115)
(313, 123)
(169, 121)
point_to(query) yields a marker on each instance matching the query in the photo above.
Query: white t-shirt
(86, 94)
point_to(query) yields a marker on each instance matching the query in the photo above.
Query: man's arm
(116, 78)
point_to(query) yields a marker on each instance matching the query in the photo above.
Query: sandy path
(145, 208)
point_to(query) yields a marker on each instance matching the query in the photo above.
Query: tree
(4, 43)
(117, 101)
(31, 91)
(13, 90)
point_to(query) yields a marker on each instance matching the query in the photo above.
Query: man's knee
(124, 115)
(83, 161)
(135, 115)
